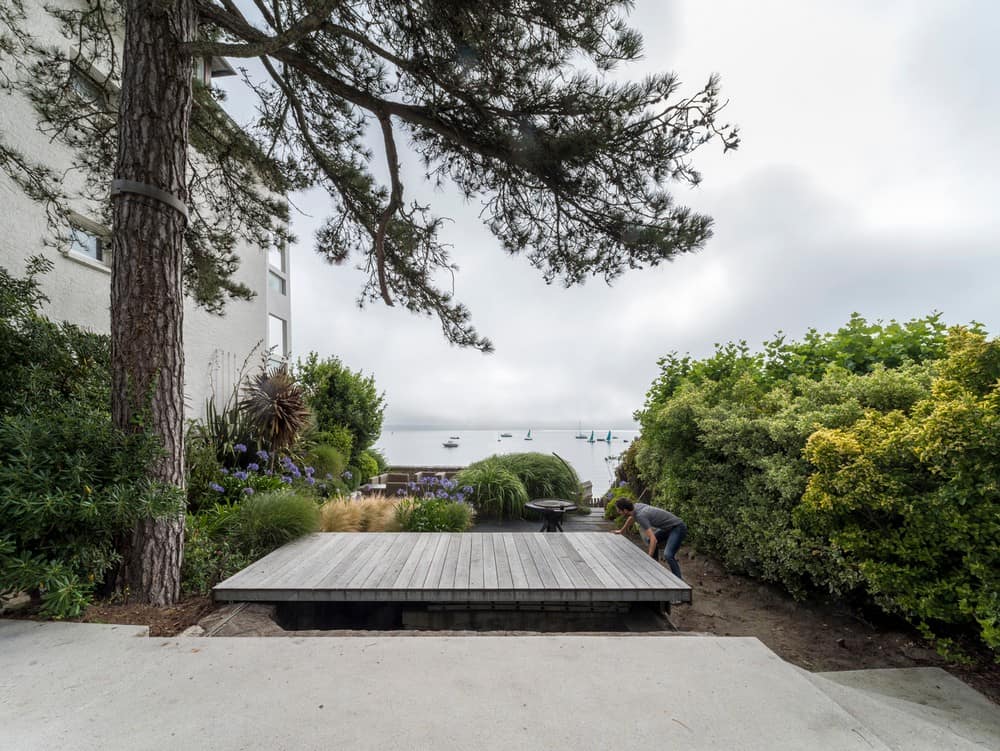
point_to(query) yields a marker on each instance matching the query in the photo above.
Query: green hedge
(897, 419)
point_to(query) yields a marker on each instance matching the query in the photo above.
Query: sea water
(424, 447)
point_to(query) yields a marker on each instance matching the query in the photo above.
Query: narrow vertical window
(277, 335)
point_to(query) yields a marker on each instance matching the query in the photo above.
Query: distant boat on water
(580, 433)
(591, 439)
(528, 437)
(608, 439)
(454, 437)
(450, 444)
(506, 435)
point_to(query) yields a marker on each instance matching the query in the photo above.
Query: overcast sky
(866, 181)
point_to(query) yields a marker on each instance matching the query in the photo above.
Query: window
(277, 335)
(87, 243)
(276, 257)
(276, 282)
(86, 88)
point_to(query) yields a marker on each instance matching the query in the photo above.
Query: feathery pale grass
(372, 514)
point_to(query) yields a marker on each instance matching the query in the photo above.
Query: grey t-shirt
(647, 517)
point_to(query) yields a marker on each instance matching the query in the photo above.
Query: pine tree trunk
(147, 354)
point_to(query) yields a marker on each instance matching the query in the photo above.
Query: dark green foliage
(266, 521)
(723, 446)
(70, 484)
(367, 466)
(328, 462)
(380, 460)
(496, 491)
(335, 435)
(543, 475)
(210, 554)
(430, 514)
(339, 397)
(223, 429)
(510, 105)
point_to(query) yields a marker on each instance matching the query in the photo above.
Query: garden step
(915, 709)
(67, 685)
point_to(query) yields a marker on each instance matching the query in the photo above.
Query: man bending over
(659, 527)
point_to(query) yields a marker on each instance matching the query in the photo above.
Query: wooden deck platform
(475, 568)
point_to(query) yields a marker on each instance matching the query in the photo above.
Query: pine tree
(509, 100)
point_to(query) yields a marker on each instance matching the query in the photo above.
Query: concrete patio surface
(85, 686)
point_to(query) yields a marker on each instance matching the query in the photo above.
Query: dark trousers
(671, 540)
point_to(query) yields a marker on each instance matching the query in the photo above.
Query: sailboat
(450, 444)
(591, 439)
(608, 439)
(579, 432)
(528, 437)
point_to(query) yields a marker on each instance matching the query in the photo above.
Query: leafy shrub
(496, 491)
(910, 499)
(380, 460)
(339, 397)
(210, 554)
(335, 435)
(620, 491)
(822, 465)
(266, 521)
(328, 462)
(71, 485)
(434, 515)
(367, 466)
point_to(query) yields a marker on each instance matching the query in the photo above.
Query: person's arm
(651, 533)
(625, 526)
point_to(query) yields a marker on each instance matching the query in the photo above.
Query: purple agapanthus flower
(263, 455)
(309, 470)
(240, 448)
(467, 488)
(216, 487)
(401, 492)
(310, 481)
(248, 491)
(224, 471)
(241, 475)
(253, 466)
(268, 472)
(329, 476)
(346, 474)
(286, 479)
(623, 484)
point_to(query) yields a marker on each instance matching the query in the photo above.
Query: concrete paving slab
(931, 696)
(63, 686)
(899, 729)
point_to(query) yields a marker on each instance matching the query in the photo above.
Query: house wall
(78, 287)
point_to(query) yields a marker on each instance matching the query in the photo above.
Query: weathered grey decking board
(445, 567)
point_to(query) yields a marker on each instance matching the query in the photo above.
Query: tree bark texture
(147, 350)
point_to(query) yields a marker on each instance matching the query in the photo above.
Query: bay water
(425, 447)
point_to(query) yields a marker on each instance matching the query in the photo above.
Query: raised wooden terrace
(475, 568)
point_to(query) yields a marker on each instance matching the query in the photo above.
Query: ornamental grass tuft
(268, 520)
(496, 491)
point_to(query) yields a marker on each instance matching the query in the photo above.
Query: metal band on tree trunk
(150, 191)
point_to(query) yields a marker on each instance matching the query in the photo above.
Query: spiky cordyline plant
(275, 404)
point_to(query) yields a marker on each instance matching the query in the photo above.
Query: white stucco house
(78, 287)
